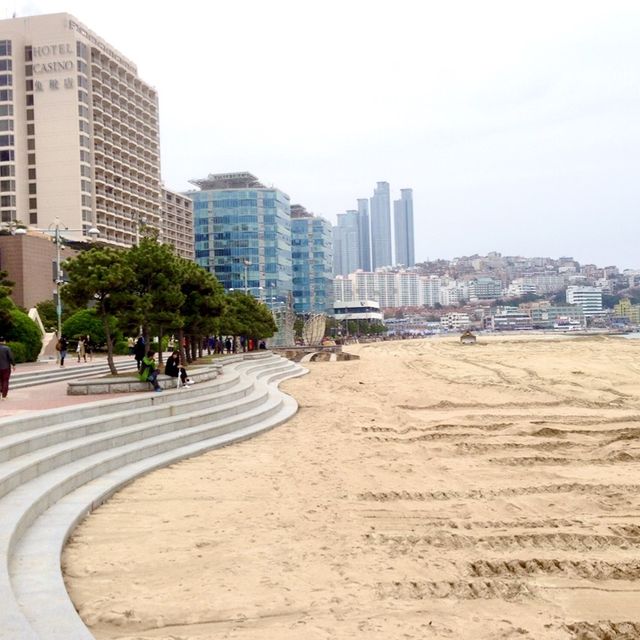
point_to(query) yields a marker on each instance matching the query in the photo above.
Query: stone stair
(58, 467)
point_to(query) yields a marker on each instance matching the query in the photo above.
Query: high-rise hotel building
(78, 131)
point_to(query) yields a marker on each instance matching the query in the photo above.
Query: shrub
(86, 322)
(24, 330)
(19, 351)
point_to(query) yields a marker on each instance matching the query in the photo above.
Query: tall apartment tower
(403, 228)
(79, 136)
(365, 235)
(346, 243)
(381, 227)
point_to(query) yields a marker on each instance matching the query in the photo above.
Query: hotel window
(28, 70)
(5, 65)
(33, 217)
(28, 54)
(7, 141)
(32, 174)
(81, 50)
(6, 109)
(29, 85)
(33, 203)
(31, 144)
(29, 100)
(7, 201)
(5, 47)
(5, 80)
(6, 95)
(7, 170)
(30, 114)
(31, 129)
(31, 158)
(7, 185)
(32, 188)
(6, 125)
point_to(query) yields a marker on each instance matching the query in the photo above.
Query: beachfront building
(455, 321)
(243, 234)
(589, 298)
(311, 258)
(356, 310)
(403, 229)
(627, 311)
(510, 319)
(177, 222)
(79, 140)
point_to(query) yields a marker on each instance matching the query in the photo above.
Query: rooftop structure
(238, 180)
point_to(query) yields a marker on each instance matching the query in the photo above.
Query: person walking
(149, 370)
(81, 350)
(64, 345)
(88, 347)
(7, 364)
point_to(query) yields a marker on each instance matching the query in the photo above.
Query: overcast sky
(516, 123)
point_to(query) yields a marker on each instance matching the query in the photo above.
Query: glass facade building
(243, 234)
(312, 262)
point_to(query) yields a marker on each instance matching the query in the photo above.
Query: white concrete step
(62, 480)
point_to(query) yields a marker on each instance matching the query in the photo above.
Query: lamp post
(55, 227)
(246, 263)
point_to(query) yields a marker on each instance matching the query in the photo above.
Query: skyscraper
(403, 228)
(79, 136)
(346, 243)
(381, 227)
(365, 235)
(243, 234)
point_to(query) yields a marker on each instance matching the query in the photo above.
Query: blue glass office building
(243, 234)
(312, 262)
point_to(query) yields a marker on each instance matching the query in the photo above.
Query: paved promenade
(49, 396)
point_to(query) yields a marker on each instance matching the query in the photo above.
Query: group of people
(84, 348)
(148, 369)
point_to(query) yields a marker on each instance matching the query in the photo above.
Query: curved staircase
(58, 466)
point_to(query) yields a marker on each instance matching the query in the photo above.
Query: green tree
(100, 275)
(203, 303)
(156, 287)
(245, 316)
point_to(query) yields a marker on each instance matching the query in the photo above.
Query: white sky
(516, 122)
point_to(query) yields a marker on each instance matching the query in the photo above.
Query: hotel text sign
(42, 64)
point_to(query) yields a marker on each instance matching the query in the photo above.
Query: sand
(427, 490)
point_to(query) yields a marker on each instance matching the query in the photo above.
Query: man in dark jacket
(7, 364)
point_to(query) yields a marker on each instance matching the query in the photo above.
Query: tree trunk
(184, 355)
(160, 334)
(199, 346)
(107, 335)
(193, 346)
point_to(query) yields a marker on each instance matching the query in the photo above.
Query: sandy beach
(426, 490)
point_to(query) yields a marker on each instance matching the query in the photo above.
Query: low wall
(131, 384)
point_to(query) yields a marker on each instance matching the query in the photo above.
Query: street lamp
(55, 228)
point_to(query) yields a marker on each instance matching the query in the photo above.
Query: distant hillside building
(589, 298)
